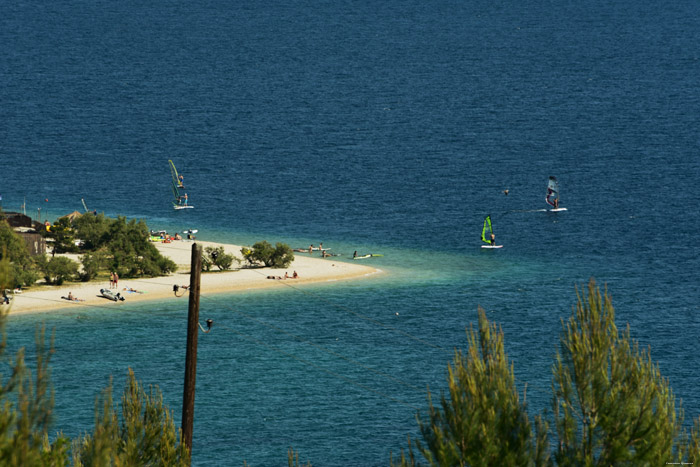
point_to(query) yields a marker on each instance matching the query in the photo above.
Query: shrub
(92, 263)
(217, 257)
(56, 270)
(279, 256)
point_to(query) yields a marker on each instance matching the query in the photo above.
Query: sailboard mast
(486, 231)
(552, 192)
(180, 201)
(177, 178)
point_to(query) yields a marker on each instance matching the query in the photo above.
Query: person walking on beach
(116, 279)
(111, 280)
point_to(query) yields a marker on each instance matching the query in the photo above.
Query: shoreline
(311, 270)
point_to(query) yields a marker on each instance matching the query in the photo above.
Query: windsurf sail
(486, 231)
(179, 199)
(178, 180)
(553, 192)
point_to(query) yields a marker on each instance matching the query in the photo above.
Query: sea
(389, 128)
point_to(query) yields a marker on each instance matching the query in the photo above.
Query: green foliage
(282, 256)
(92, 230)
(26, 402)
(57, 269)
(611, 404)
(63, 236)
(131, 253)
(92, 263)
(146, 434)
(482, 422)
(216, 256)
(23, 267)
(279, 256)
(247, 254)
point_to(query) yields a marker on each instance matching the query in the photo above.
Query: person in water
(354, 255)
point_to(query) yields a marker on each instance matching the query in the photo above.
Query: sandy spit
(311, 270)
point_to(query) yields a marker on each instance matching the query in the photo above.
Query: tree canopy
(611, 406)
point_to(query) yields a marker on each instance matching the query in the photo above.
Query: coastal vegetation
(21, 267)
(610, 404)
(216, 256)
(142, 433)
(106, 245)
(279, 256)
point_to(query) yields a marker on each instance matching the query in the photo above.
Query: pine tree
(610, 402)
(146, 434)
(483, 421)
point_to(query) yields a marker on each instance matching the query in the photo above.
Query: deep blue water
(388, 127)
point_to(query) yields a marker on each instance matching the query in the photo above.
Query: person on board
(185, 200)
(493, 239)
(180, 182)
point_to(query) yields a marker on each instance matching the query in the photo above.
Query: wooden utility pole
(191, 356)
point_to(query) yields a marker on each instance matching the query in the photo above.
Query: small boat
(108, 294)
(487, 234)
(553, 194)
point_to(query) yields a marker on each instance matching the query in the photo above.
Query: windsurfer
(185, 200)
(493, 239)
(180, 182)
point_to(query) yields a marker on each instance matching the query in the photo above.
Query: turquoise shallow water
(387, 128)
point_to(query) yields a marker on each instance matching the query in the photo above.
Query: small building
(17, 219)
(36, 244)
(27, 229)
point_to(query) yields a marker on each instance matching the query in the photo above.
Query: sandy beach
(311, 270)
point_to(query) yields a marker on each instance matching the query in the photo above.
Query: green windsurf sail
(486, 231)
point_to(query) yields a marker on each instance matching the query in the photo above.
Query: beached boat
(108, 294)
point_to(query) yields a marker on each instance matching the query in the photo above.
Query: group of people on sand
(286, 276)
